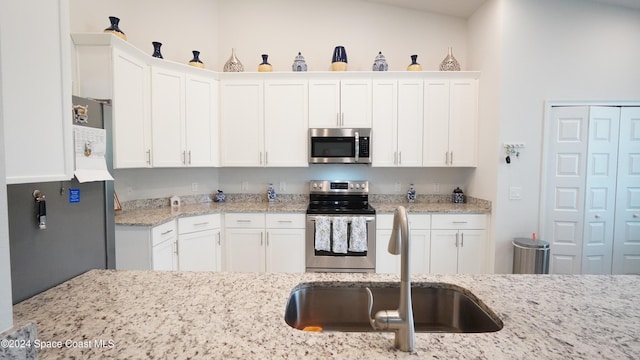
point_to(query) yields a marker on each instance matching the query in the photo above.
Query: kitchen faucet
(401, 320)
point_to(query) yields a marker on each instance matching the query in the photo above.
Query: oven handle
(367, 218)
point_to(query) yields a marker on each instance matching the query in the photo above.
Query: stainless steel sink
(437, 307)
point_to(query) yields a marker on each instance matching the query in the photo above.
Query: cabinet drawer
(416, 221)
(420, 221)
(244, 220)
(465, 221)
(286, 221)
(163, 232)
(198, 223)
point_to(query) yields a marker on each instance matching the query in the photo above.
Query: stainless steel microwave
(340, 146)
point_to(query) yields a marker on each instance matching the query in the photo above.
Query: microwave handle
(357, 145)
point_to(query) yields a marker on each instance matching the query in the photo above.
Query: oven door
(328, 261)
(339, 146)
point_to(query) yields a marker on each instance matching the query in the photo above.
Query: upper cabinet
(108, 68)
(35, 85)
(264, 123)
(184, 118)
(344, 103)
(450, 122)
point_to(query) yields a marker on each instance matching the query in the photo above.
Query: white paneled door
(599, 209)
(565, 187)
(626, 248)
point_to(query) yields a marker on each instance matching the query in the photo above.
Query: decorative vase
(411, 194)
(271, 193)
(265, 66)
(339, 59)
(196, 60)
(450, 63)
(458, 196)
(299, 64)
(233, 64)
(380, 63)
(414, 66)
(156, 50)
(114, 29)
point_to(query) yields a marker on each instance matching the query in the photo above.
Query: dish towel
(340, 235)
(323, 233)
(358, 241)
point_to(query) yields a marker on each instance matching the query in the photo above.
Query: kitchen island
(205, 315)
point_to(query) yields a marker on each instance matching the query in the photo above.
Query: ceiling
(465, 8)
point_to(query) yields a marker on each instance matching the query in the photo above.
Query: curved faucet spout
(401, 320)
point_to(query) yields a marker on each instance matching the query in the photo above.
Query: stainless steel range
(341, 227)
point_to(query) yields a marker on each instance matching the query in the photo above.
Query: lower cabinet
(458, 244)
(199, 243)
(147, 248)
(188, 244)
(258, 242)
(419, 248)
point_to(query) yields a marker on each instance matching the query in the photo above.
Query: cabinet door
(164, 255)
(285, 250)
(36, 101)
(131, 112)
(386, 263)
(244, 250)
(324, 104)
(463, 123)
(385, 125)
(167, 117)
(420, 251)
(410, 122)
(355, 103)
(436, 123)
(241, 131)
(286, 123)
(444, 251)
(201, 119)
(197, 251)
(471, 252)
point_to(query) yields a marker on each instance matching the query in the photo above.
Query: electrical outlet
(515, 193)
(194, 187)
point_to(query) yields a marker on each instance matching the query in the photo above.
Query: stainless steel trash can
(530, 256)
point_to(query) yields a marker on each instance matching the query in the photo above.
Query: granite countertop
(191, 315)
(433, 207)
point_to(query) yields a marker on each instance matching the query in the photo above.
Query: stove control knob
(357, 186)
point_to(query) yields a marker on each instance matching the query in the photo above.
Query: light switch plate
(515, 193)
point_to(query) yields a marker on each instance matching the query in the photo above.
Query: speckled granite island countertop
(188, 315)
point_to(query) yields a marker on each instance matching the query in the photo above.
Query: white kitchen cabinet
(256, 242)
(458, 243)
(183, 117)
(397, 123)
(147, 248)
(344, 103)
(286, 123)
(242, 123)
(199, 243)
(36, 91)
(450, 122)
(419, 247)
(110, 68)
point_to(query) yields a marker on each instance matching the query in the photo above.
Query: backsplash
(293, 198)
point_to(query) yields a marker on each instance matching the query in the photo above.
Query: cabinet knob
(597, 216)
(635, 216)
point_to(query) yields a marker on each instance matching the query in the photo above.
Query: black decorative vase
(156, 50)
(114, 29)
(265, 66)
(196, 60)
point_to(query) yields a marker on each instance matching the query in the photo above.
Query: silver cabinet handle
(462, 240)
(342, 120)
(395, 158)
(451, 159)
(267, 239)
(457, 235)
(459, 222)
(635, 215)
(266, 157)
(243, 221)
(399, 157)
(285, 221)
(597, 216)
(202, 223)
(189, 157)
(261, 238)
(149, 156)
(167, 232)
(338, 119)
(219, 239)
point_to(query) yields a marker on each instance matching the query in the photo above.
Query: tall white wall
(554, 50)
